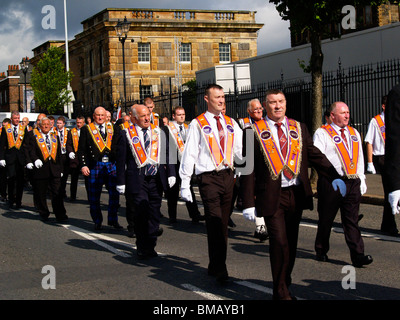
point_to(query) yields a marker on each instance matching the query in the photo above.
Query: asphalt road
(51, 261)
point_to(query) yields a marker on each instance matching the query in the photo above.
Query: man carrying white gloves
(342, 145)
(212, 142)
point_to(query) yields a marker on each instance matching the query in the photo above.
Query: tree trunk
(317, 59)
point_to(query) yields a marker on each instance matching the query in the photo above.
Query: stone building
(200, 38)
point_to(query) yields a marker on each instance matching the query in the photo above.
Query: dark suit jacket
(130, 175)
(392, 145)
(88, 153)
(13, 154)
(73, 163)
(50, 168)
(259, 190)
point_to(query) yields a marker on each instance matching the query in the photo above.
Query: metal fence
(360, 87)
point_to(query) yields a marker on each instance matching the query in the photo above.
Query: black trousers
(388, 219)
(172, 195)
(144, 208)
(329, 202)
(283, 230)
(40, 188)
(74, 172)
(216, 190)
(15, 182)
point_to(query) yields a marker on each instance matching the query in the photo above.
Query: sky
(21, 21)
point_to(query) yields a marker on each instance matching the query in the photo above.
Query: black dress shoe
(362, 260)
(261, 234)
(231, 223)
(322, 257)
(158, 233)
(115, 224)
(97, 226)
(143, 255)
(62, 219)
(131, 234)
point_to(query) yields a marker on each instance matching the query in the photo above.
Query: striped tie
(151, 170)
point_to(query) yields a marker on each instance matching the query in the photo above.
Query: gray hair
(43, 119)
(251, 101)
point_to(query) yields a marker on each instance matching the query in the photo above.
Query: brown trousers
(216, 189)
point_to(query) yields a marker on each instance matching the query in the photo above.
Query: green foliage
(49, 81)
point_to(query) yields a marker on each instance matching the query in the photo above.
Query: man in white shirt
(177, 132)
(375, 141)
(211, 144)
(342, 145)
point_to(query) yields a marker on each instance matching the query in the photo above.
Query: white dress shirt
(197, 155)
(374, 137)
(285, 182)
(323, 142)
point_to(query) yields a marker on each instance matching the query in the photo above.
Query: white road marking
(201, 292)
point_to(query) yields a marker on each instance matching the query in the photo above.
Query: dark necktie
(221, 134)
(61, 136)
(15, 133)
(344, 136)
(103, 134)
(48, 142)
(151, 170)
(284, 146)
(182, 132)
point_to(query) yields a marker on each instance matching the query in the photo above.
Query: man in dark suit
(142, 175)
(12, 157)
(43, 152)
(279, 188)
(97, 162)
(72, 149)
(392, 148)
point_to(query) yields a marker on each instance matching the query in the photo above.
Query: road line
(255, 286)
(201, 292)
(87, 235)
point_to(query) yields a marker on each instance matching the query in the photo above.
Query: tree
(49, 82)
(315, 17)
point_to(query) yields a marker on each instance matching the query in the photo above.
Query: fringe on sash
(266, 160)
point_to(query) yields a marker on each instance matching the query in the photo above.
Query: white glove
(38, 163)
(71, 155)
(29, 166)
(250, 214)
(171, 181)
(3, 163)
(394, 198)
(363, 186)
(371, 168)
(339, 183)
(186, 195)
(121, 189)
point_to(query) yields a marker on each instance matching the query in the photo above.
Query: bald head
(99, 115)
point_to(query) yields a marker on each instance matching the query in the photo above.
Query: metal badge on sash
(105, 159)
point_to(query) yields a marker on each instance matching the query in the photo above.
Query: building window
(144, 52)
(101, 57)
(185, 52)
(145, 91)
(224, 52)
(91, 63)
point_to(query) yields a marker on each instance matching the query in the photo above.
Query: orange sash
(271, 151)
(245, 122)
(381, 127)
(138, 151)
(155, 119)
(219, 159)
(177, 137)
(46, 153)
(75, 138)
(349, 161)
(98, 139)
(10, 136)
